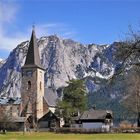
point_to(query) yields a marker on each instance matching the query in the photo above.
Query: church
(34, 109)
(32, 89)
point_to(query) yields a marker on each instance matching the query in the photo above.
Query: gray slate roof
(94, 114)
(32, 58)
(50, 97)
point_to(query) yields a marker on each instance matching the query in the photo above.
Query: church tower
(32, 89)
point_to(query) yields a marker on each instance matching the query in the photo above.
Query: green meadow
(53, 136)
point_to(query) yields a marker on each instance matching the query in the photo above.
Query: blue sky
(86, 21)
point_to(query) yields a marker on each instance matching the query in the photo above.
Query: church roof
(32, 58)
(50, 97)
(48, 116)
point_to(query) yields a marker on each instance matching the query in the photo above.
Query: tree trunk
(138, 119)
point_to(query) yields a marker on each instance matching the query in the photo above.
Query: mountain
(65, 59)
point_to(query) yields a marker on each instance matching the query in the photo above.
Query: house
(94, 119)
(49, 120)
(10, 106)
(10, 119)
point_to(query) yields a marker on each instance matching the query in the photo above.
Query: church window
(10, 111)
(40, 86)
(29, 85)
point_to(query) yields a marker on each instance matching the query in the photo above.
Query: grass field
(53, 136)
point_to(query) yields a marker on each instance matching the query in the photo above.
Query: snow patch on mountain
(2, 61)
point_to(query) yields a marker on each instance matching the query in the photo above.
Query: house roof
(32, 58)
(48, 116)
(50, 97)
(94, 114)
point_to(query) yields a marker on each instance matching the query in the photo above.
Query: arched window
(29, 85)
(40, 86)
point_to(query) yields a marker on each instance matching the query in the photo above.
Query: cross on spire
(33, 27)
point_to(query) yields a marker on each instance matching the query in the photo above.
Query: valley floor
(53, 136)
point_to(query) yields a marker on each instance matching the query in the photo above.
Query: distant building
(94, 119)
(10, 107)
(9, 117)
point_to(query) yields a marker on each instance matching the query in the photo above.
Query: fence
(79, 130)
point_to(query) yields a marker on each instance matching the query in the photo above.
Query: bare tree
(5, 119)
(128, 53)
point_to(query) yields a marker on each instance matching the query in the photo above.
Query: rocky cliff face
(63, 59)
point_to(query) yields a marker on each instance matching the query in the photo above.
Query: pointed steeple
(32, 58)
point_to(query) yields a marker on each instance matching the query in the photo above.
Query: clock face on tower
(29, 73)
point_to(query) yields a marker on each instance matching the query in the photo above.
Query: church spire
(32, 58)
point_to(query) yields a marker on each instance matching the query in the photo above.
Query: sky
(85, 21)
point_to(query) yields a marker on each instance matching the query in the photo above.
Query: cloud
(9, 43)
(10, 38)
(7, 11)
(60, 29)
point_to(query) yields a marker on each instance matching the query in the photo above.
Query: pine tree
(74, 100)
